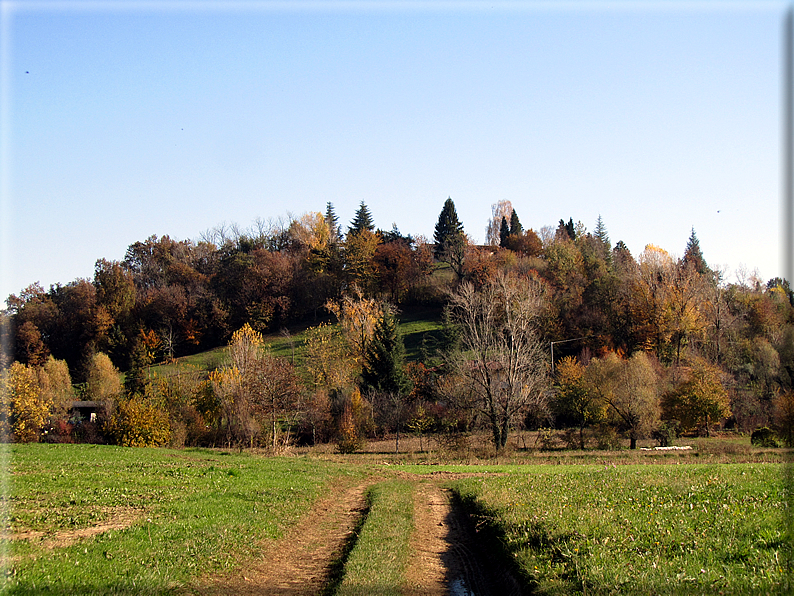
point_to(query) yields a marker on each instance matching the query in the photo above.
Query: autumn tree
(82, 325)
(358, 317)
(527, 243)
(33, 318)
(628, 389)
(276, 393)
(103, 379)
(650, 299)
(358, 257)
(137, 422)
(353, 419)
(574, 400)
(700, 399)
(55, 384)
(310, 231)
(502, 357)
(24, 409)
(30, 347)
(398, 267)
(450, 241)
(115, 289)
(328, 361)
(255, 386)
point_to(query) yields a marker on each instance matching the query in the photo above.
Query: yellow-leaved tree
(574, 401)
(25, 409)
(255, 386)
(55, 384)
(104, 380)
(358, 317)
(328, 358)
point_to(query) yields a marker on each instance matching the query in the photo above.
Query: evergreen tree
(600, 232)
(334, 230)
(362, 221)
(567, 228)
(516, 229)
(693, 255)
(504, 232)
(384, 359)
(449, 238)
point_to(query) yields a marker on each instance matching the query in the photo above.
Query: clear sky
(125, 119)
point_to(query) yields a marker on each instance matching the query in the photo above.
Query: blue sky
(125, 119)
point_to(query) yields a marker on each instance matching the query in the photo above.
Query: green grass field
(165, 518)
(688, 529)
(174, 514)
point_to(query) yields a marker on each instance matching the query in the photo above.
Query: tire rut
(300, 564)
(448, 558)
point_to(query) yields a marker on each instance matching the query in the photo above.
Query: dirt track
(299, 564)
(445, 557)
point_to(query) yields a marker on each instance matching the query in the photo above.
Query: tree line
(554, 327)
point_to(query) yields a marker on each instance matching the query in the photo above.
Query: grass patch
(638, 529)
(416, 326)
(377, 563)
(181, 514)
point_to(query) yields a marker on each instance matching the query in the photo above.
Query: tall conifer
(384, 359)
(449, 238)
(362, 221)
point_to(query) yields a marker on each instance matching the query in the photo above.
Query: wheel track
(300, 563)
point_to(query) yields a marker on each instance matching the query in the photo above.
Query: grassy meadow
(87, 519)
(169, 515)
(652, 529)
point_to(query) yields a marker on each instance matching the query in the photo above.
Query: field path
(298, 564)
(446, 558)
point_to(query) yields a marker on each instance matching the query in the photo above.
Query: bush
(607, 438)
(59, 431)
(763, 437)
(666, 433)
(349, 440)
(547, 438)
(138, 423)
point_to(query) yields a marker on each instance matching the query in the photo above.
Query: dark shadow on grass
(476, 561)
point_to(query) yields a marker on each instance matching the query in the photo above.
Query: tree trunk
(633, 443)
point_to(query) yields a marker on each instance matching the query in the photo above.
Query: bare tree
(502, 209)
(501, 356)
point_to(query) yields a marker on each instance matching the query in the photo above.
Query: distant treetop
(362, 221)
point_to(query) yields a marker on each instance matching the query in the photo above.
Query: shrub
(607, 437)
(349, 439)
(547, 439)
(763, 437)
(666, 433)
(138, 423)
